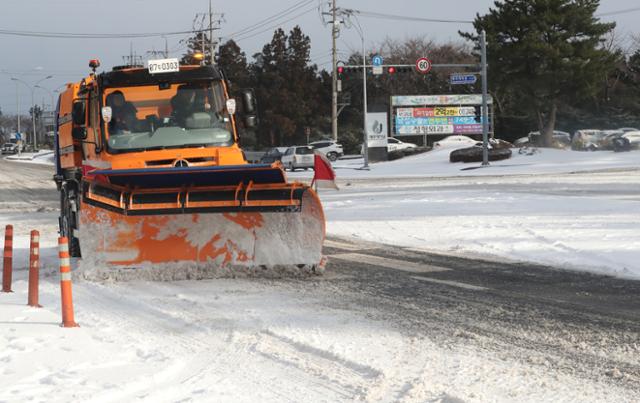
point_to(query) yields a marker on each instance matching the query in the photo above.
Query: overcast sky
(31, 59)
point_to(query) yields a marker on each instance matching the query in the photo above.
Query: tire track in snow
(349, 379)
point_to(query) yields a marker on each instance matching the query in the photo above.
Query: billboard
(437, 114)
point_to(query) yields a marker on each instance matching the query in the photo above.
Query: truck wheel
(68, 220)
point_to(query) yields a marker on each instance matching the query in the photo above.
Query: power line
(277, 25)
(625, 11)
(71, 35)
(369, 14)
(270, 19)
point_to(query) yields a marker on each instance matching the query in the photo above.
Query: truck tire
(69, 219)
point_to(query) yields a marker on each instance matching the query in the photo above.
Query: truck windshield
(180, 115)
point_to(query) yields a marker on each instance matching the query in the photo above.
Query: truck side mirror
(79, 133)
(249, 102)
(251, 121)
(79, 113)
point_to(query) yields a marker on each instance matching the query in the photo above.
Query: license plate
(164, 66)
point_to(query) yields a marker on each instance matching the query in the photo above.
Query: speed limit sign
(423, 65)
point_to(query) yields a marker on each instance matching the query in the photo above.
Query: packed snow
(539, 208)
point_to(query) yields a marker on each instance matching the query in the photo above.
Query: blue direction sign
(377, 60)
(463, 79)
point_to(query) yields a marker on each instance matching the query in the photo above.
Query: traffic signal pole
(485, 107)
(334, 81)
(364, 100)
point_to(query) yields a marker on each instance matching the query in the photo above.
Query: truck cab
(130, 118)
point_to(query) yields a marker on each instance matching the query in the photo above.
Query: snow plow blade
(246, 215)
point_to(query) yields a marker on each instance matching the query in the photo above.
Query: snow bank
(436, 164)
(44, 157)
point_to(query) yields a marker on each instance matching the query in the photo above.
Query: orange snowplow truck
(150, 171)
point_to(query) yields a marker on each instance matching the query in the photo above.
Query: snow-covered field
(530, 208)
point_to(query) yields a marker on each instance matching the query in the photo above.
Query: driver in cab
(124, 114)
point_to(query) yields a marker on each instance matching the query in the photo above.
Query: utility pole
(211, 42)
(335, 28)
(200, 25)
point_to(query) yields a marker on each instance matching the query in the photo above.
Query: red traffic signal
(391, 70)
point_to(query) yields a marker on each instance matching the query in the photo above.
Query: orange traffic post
(65, 283)
(34, 269)
(8, 259)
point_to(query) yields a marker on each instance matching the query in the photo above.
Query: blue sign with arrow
(456, 79)
(377, 60)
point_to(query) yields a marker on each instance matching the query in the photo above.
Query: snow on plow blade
(221, 216)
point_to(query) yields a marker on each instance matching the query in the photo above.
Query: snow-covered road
(384, 323)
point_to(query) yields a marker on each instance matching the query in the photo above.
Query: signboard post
(377, 129)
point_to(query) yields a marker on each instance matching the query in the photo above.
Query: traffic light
(391, 70)
(340, 72)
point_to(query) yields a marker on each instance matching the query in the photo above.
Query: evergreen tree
(545, 52)
(290, 92)
(233, 61)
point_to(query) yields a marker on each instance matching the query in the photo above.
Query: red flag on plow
(324, 176)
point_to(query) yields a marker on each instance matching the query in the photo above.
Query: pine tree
(233, 61)
(545, 52)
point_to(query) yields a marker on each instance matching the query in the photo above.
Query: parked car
(587, 140)
(330, 148)
(393, 144)
(628, 129)
(610, 136)
(11, 148)
(454, 141)
(298, 157)
(521, 142)
(272, 155)
(634, 138)
(560, 139)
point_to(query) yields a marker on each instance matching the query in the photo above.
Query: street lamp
(47, 90)
(33, 109)
(360, 31)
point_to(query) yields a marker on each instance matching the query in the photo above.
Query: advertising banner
(420, 100)
(437, 114)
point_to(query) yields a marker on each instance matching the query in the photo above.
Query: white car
(330, 148)
(634, 138)
(11, 148)
(298, 157)
(455, 142)
(393, 144)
